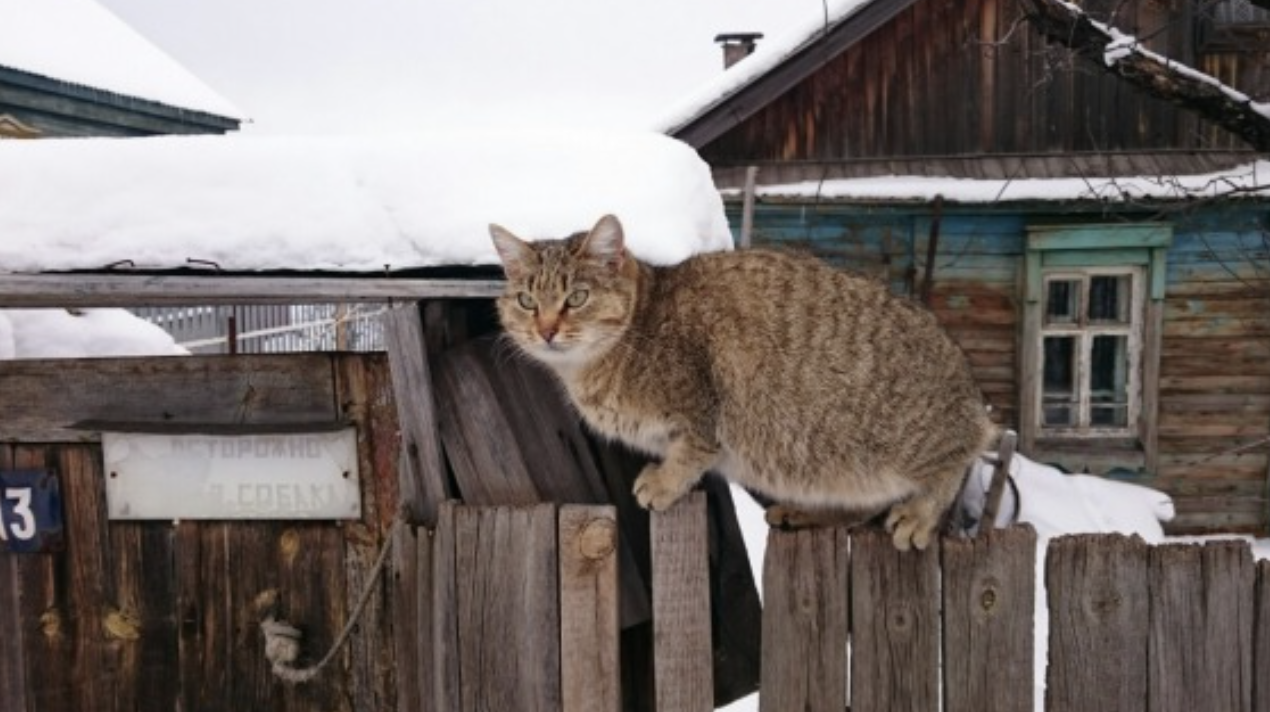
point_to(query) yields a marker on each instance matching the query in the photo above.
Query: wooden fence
(522, 614)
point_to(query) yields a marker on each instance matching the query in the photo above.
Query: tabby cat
(809, 385)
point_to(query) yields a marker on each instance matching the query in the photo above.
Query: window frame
(1084, 333)
(1053, 250)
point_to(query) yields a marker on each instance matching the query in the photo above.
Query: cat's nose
(548, 331)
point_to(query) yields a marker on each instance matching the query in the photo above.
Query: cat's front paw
(656, 490)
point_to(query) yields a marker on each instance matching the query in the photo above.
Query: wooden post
(1200, 653)
(1097, 590)
(805, 621)
(590, 674)
(747, 209)
(423, 481)
(989, 619)
(682, 661)
(895, 626)
(1261, 641)
(992, 504)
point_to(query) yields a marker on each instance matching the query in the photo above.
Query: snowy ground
(1052, 502)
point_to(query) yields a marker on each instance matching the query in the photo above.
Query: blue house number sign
(30, 511)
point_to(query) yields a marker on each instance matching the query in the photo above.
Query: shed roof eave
(80, 92)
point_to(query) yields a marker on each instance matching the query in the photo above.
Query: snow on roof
(250, 203)
(766, 56)
(81, 42)
(1252, 179)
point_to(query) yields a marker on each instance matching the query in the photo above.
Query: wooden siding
(1215, 373)
(164, 615)
(967, 77)
(1214, 391)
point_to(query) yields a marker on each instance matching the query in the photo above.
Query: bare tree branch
(1123, 56)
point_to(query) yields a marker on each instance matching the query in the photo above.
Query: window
(1089, 364)
(1091, 334)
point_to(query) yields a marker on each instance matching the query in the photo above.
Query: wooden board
(989, 597)
(95, 290)
(257, 389)
(508, 615)
(894, 626)
(590, 676)
(805, 621)
(423, 482)
(682, 664)
(1261, 641)
(1097, 590)
(1201, 623)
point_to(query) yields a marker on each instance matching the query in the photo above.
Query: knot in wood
(121, 625)
(988, 599)
(598, 539)
(51, 624)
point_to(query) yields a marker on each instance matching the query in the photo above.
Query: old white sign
(256, 476)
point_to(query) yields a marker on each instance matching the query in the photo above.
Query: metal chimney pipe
(737, 45)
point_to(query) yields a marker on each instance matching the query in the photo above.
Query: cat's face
(566, 300)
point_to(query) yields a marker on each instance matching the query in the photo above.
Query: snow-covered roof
(81, 42)
(1249, 180)
(766, 56)
(253, 203)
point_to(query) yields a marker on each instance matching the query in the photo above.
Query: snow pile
(58, 333)
(251, 203)
(81, 42)
(1056, 503)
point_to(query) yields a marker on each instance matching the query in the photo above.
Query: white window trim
(1085, 333)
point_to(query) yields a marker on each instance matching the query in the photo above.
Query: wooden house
(71, 68)
(1102, 256)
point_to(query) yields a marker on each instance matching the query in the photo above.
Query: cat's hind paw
(656, 491)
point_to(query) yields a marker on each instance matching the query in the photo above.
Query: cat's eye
(577, 298)
(526, 301)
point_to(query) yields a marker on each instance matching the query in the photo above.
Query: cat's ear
(515, 253)
(606, 243)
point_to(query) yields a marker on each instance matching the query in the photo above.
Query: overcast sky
(318, 66)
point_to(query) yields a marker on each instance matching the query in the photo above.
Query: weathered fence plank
(507, 608)
(589, 631)
(1097, 592)
(445, 624)
(1201, 627)
(805, 621)
(895, 626)
(412, 624)
(682, 664)
(989, 592)
(1261, 641)
(12, 670)
(480, 444)
(423, 480)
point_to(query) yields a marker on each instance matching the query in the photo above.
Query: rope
(282, 640)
